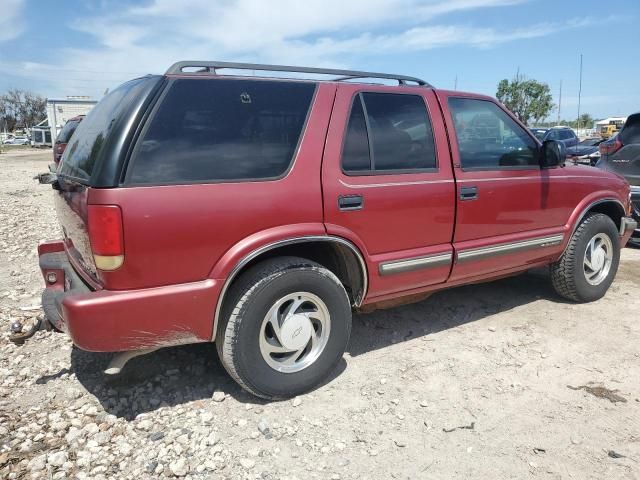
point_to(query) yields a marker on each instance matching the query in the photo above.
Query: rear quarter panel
(177, 233)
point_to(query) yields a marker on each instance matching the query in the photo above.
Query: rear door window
(488, 138)
(388, 133)
(207, 131)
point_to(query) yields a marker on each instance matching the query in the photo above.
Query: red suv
(64, 136)
(258, 212)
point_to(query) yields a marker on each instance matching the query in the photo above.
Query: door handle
(468, 193)
(350, 202)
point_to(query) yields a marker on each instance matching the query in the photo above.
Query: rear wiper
(46, 178)
(49, 178)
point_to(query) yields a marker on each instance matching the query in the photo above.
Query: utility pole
(559, 103)
(455, 83)
(579, 93)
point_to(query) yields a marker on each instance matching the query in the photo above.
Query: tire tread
(246, 285)
(563, 272)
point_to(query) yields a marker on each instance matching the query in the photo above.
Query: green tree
(528, 99)
(20, 108)
(585, 121)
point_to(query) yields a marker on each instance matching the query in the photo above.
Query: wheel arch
(610, 206)
(337, 254)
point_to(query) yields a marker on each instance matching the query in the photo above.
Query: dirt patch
(601, 392)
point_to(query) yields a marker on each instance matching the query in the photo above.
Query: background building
(61, 110)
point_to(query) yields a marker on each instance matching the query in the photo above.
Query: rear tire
(284, 327)
(589, 264)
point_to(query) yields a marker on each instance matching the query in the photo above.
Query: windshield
(539, 133)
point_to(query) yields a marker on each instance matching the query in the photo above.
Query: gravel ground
(501, 380)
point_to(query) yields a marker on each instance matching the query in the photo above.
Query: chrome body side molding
(504, 248)
(416, 263)
(281, 243)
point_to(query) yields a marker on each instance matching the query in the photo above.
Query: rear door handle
(468, 193)
(350, 202)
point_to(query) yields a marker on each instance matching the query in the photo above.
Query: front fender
(585, 205)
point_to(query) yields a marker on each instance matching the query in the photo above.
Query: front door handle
(350, 202)
(468, 193)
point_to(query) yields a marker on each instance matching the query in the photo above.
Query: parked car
(64, 136)
(586, 152)
(258, 212)
(17, 141)
(566, 135)
(621, 154)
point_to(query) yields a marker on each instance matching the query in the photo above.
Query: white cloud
(11, 24)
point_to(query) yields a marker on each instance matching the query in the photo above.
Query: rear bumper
(119, 320)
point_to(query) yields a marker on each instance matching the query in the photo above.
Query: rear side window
(488, 138)
(388, 133)
(65, 134)
(87, 144)
(222, 130)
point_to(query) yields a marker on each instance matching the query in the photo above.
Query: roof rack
(211, 67)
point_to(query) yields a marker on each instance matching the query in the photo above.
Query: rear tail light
(610, 147)
(106, 236)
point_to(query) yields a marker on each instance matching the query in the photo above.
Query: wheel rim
(598, 257)
(294, 332)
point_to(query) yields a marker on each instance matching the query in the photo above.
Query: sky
(76, 47)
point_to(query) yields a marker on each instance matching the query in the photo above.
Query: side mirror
(552, 154)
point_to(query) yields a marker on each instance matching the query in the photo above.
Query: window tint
(86, 146)
(399, 135)
(355, 156)
(217, 130)
(488, 138)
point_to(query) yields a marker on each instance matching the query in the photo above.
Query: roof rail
(211, 67)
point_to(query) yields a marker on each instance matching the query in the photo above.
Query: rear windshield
(83, 152)
(222, 130)
(67, 131)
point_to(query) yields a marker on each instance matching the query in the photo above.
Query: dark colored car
(258, 212)
(64, 136)
(566, 135)
(586, 152)
(621, 154)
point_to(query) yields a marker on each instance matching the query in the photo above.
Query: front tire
(284, 327)
(589, 264)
